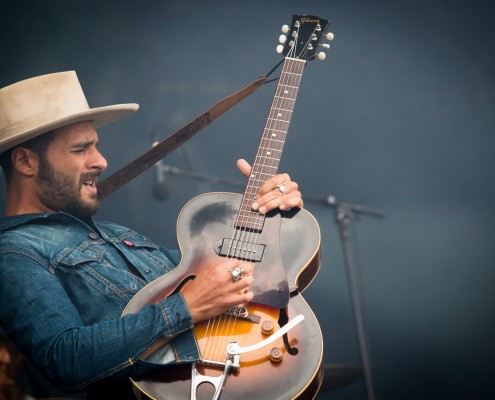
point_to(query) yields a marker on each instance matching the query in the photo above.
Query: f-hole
(283, 318)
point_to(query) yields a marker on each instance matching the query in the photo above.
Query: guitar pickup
(240, 249)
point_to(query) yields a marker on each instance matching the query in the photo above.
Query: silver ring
(282, 188)
(237, 274)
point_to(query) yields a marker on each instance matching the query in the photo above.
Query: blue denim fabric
(63, 286)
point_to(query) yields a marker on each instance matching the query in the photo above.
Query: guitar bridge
(243, 313)
(240, 249)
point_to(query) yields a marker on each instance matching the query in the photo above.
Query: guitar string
(216, 331)
(244, 241)
(287, 106)
(229, 319)
(238, 246)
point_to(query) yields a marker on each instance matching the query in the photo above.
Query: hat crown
(39, 100)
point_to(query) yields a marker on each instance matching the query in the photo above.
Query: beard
(61, 191)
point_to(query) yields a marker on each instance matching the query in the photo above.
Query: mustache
(89, 176)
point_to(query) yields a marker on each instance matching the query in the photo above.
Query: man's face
(69, 170)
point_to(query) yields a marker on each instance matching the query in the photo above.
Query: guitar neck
(272, 141)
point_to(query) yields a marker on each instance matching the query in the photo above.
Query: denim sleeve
(38, 315)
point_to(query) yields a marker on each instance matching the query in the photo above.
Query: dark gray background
(399, 117)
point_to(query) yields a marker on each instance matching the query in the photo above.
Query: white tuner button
(285, 28)
(282, 39)
(321, 56)
(330, 36)
(280, 48)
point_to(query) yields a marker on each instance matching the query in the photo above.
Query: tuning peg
(325, 45)
(280, 48)
(285, 28)
(321, 56)
(282, 39)
(330, 36)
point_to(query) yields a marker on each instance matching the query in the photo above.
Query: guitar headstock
(302, 39)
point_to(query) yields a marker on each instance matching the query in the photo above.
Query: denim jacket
(63, 286)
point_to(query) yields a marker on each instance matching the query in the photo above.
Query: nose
(98, 161)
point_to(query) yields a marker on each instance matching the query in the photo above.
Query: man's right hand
(214, 291)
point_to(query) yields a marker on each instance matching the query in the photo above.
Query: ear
(25, 161)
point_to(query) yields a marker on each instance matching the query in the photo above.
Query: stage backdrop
(399, 117)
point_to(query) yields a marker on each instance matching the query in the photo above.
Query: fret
(279, 116)
(286, 95)
(271, 158)
(272, 153)
(285, 99)
(279, 110)
(289, 99)
(270, 132)
(274, 135)
(264, 150)
(283, 106)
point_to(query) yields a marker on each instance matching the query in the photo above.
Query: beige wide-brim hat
(38, 105)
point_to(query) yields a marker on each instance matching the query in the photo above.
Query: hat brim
(100, 116)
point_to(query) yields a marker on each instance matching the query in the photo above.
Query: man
(64, 278)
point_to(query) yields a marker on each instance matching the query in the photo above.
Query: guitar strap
(174, 141)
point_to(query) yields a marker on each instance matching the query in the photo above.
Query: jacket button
(93, 235)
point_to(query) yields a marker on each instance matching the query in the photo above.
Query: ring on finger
(237, 274)
(282, 188)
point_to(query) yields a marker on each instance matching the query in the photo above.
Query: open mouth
(91, 184)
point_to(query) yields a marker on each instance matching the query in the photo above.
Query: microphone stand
(344, 215)
(167, 169)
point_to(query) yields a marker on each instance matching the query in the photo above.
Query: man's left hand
(277, 192)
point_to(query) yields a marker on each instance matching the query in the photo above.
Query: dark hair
(38, 144)
(6, 162)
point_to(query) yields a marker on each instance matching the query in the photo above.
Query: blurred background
(399, 117)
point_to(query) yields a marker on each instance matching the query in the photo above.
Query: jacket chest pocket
(146, 257)
(86, 269)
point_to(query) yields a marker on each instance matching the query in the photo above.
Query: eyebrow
(83, 144)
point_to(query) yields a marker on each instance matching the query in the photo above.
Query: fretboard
(272, 142)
